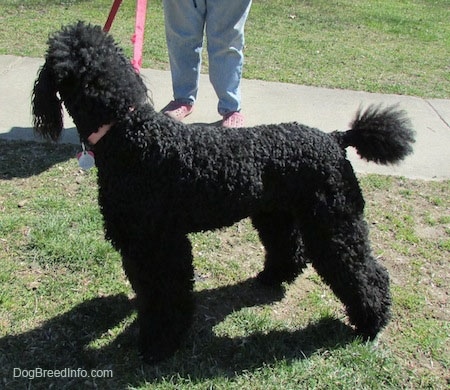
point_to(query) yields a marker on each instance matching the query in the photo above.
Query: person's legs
(225, 21)
(184, 24)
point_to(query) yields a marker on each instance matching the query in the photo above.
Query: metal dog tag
(86, 159)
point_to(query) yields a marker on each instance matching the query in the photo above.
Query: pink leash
(138, 37)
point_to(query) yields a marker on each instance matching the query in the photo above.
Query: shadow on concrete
(26, 158)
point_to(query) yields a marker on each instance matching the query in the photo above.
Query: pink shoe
(233, 119)
(177, 110)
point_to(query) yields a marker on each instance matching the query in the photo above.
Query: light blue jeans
(222, 21)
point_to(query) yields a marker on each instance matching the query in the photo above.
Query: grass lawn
(382, 46)
(65, 303)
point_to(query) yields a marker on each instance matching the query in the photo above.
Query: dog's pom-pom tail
(382, 135)
(46, 106)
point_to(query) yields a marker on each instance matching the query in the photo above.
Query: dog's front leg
(162, 277)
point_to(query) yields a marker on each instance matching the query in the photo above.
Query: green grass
(65, 302)
(382, 46)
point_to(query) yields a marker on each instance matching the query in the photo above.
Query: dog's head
(88, 72)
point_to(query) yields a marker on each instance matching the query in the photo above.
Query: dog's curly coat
(160, 180)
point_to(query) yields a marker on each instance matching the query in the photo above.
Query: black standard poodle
(160, 180)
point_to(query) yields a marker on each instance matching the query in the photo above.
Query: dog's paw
(276, 276)
(154, 350)
(367, 334)
(153, 358)
(154, 355)
(267, 279)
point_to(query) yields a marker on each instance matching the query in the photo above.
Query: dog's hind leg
(162, 277)
(282, 241)
(340, 252)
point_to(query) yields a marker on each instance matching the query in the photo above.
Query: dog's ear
(46, 106)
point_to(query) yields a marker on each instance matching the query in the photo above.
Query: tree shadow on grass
(65, 342)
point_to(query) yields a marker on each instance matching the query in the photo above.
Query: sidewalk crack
(437, 113)
(10, 67)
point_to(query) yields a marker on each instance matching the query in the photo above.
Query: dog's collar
(99, 134)
(102, 130)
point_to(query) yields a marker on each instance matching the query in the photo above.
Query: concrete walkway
(263, 103)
